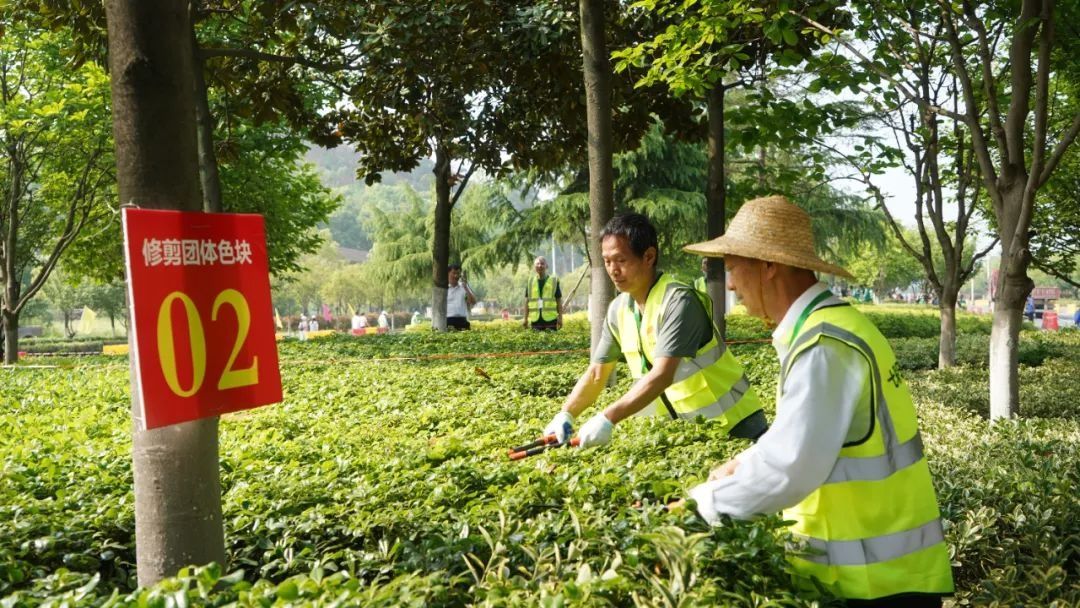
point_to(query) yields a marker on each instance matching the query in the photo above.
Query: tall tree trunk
(440, 255)
(11, 337)
(9, 303)
(204, 121)
(1013, 289)
(947, 342)
(177, 486)
(715, 203)
(597, 72)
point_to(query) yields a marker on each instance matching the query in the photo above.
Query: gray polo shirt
(684, 328)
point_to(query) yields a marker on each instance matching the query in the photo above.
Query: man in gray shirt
(663, 330)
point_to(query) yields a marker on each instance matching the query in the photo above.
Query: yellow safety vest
(873, 529)
(699, 284)
(542, 305)
(711, 384)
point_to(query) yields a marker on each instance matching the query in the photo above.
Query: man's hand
(562, 426)
(596, 431)
(725, 470)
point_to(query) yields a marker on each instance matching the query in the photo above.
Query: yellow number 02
(167, 348)
(230, 378)
(234, 378)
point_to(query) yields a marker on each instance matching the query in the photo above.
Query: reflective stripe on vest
(689, 367)
(710, 384)
(897, 455)
(873, 528)
(724, 403)
(873, 550)
(543, 313)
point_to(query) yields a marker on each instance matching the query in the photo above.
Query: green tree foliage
(664, 179)
(884, 269)
(55, 160)
(1002, 57)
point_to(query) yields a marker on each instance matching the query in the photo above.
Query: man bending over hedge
(844, 458)
(664, 331)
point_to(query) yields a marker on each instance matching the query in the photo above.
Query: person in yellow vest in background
(664, 331)
(844, 458)
(699, 284)
(543, 299)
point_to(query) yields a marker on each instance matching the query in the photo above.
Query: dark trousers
(544, 325)
(458, 323)
(903, 600)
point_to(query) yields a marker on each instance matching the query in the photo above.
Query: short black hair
(453, 267)
(638, 231)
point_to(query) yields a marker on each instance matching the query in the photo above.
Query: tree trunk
(597, 73)
(11, 338)
(9, 302)
(947, 343)
(177, 488)
(208, 165)
(440, 255)
(715, 203)
(1013, 289)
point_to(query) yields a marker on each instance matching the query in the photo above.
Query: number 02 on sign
(202, 321)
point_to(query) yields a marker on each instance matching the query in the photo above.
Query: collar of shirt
(781, 336)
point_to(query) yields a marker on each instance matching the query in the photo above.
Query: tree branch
(1059, 150)
(286, 59)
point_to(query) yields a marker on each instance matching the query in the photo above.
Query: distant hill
(337, 169)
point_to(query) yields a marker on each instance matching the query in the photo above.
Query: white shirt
(813, 418)
(358, 322)
(456, 306)
(383, 322)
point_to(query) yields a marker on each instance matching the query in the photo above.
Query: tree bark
(1014, 285)
(597, 74)
(177, 487)
(209, 177)
(947, 342)
(9, 304)
(11, 337)
(440, 255)
(716, 205)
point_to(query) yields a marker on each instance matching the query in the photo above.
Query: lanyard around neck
(807, 312)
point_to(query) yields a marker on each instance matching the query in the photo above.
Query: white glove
(596, 431)
(562, 426)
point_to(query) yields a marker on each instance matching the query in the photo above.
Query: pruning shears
(540, 445)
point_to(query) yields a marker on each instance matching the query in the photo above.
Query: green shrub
(386, 483)
(1049, 391)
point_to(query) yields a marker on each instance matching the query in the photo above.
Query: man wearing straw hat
(664, 331)
(844, 458)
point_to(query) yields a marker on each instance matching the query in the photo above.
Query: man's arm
(644, 391)
(824, 388)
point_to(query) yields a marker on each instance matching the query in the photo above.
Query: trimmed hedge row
(893, 324)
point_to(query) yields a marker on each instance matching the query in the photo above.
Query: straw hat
(770, 229)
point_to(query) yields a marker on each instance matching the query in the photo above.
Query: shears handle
(533, 451)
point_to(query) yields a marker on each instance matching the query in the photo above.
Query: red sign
(202, 322)
(1046, 293)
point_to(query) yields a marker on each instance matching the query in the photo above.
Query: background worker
(844, 458)
(664, 331)
(699, 283)
(543, 299)
(459, 299)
